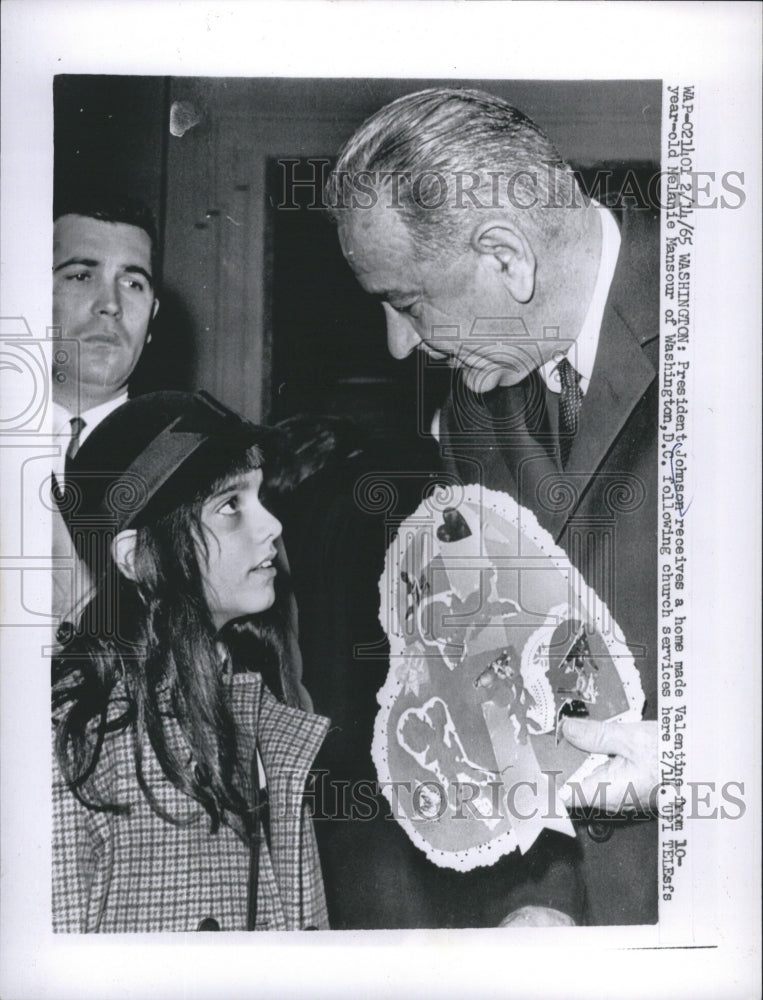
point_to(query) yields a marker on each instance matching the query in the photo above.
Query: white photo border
(714, 46)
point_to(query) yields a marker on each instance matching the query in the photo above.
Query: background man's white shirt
(70, 578)
(62, 427)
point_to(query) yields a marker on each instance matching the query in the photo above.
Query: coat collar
(622, 372)
(288, 738)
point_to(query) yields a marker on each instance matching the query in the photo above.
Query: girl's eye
(231, 506)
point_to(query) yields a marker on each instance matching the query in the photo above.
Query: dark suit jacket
(602, 510)
(374, 876)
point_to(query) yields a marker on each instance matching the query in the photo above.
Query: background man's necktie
(77, 425)
(70, 577)
(570, 400)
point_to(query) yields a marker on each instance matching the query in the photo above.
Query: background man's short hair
(109, 206)
(446, 132)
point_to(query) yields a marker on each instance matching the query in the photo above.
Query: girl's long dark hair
(162, 660)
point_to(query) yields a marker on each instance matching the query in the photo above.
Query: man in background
(105, 258)
(456, 212)
(104, 299)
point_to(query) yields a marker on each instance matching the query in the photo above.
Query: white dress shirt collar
(62, 427)
(582, 354)
(92, 417)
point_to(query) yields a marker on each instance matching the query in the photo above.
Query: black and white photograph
(380, 551)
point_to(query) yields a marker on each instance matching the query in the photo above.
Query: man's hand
(537, 916)
(630, 777)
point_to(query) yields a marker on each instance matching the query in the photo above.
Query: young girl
(179, 778)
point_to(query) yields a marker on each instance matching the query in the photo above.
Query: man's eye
(409, 309)
(134, 283)
(78, 276)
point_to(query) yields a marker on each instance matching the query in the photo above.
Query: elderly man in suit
(104, 299)
(456, 212)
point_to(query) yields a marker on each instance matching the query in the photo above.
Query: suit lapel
(523, 437)
(622, 373)
(621, 376)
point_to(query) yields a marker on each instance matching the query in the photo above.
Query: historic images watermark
(425, 801)
(28, 454)
(303, 184)
(30, 365)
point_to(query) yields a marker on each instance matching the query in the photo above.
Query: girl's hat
(146, 455)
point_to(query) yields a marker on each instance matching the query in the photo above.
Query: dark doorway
(328, 337)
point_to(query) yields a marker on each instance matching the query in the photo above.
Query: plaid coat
(136, 872)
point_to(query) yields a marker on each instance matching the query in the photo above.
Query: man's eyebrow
(89, 262)
(137, 269)
(82, 261)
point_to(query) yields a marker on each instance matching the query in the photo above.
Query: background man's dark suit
(603, 511)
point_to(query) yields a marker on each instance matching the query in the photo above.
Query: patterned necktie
(570, 400)
(77, 425)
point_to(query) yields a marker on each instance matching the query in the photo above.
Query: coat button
(208, 924)
(600, 831)
(65, 633)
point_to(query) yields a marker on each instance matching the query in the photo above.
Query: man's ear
(510, 249)
(154, 311)
(123, 552)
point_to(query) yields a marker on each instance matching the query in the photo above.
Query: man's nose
(401, 337)
(108, 301)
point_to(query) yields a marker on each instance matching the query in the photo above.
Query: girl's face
(240, 535)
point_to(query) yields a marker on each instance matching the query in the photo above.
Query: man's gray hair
(441, 156)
